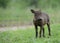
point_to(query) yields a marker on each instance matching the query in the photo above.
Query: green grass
(28, 36)
(15, 16)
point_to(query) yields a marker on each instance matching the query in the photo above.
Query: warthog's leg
(43, 32)
(49, 29)
(36, 29)
(41, 28)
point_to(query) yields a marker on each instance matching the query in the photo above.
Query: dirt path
(2, 29)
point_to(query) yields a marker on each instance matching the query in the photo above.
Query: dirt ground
(2, 29)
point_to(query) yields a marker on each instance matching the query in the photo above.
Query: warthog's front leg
(36, 30)
(42, 30)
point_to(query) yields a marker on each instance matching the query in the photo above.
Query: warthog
(40, 19)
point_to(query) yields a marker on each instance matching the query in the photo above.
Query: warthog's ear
(32, 11)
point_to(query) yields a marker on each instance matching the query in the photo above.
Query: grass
(28, 36)
(15, 16)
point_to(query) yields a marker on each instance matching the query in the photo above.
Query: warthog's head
(36, 14)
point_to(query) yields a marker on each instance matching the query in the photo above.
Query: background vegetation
(17, 12)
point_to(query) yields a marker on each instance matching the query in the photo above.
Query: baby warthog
(40, 19)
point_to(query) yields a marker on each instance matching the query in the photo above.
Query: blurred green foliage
(18, 11)
(30, 3)
(39, 3)
(4, 3)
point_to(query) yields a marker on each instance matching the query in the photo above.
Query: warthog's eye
(36, 14)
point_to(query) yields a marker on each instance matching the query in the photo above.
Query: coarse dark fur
(40, 19)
